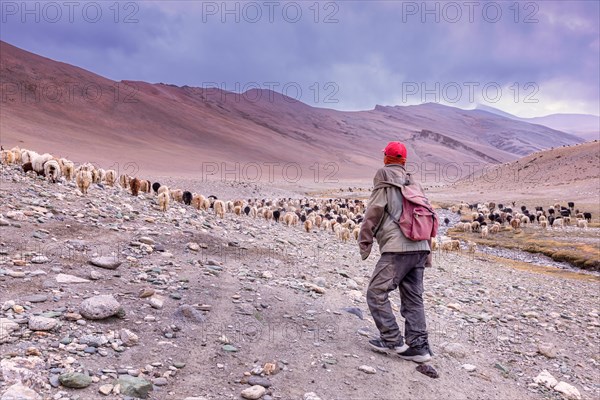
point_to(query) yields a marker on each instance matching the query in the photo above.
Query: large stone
(569, 391)
(66, 278)
(134, 387)
(20, 392)
(257, 380)
(75, 380)
(547, 349)
(31, 370)
(6, 328)
(99, 307)
(367, 369)
(42, 323)
(311, 396)
(129, 338)
(455, 350)
(106, 262)
(254, 392)
(546, 379)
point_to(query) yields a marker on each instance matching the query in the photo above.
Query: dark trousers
(403, 271)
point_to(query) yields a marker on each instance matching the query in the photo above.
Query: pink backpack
(418, 220)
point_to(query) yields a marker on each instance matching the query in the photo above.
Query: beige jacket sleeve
(373, 217)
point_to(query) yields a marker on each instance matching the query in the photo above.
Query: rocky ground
(104, 296)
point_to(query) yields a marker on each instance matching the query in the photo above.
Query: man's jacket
(383, 211)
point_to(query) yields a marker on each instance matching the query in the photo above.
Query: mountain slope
(168, 129)
(586, 126)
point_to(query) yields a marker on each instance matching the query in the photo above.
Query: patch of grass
(580, 255)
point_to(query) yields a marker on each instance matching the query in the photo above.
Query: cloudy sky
(529, 58)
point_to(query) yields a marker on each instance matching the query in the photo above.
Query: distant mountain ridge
(168, 129)
(586, 126)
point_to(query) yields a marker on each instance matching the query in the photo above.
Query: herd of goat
(340, 216)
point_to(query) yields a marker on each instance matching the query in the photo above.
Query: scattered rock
(455, 350)
(469, 367)
(569, 391)
(254, 392)
(39, 260)
(257, 380)
(106, 262)
(99, 307)
(311, 396)
(65, 278)
(105, 389)
(547, 349)
(157, 302)
(367, 369)
(20, 392)
(75, 380)
(42, 323)
(128, 338)
(134, 387)
(546, 379)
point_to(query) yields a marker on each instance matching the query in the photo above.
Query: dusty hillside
(206, 303)
(52, 106)
(570, 173)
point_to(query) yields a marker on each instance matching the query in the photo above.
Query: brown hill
(63, 109)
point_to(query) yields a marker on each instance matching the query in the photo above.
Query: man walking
(401, 264)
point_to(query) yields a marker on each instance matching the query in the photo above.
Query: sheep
(163, 189)
(7, 157)
(326, 225)
(110, 176)
(16, 154)
(567, 221)
(466, 227)
(582, 223)
(134, 185)
(288, 218)
(253, 212)
(27, 156)
(39, 161)
(145, 186)
(587, 216)
(177, 195)
(515, 223)
(475, 226)
(237, 210)
(276, 215)
(83, 180)
(345, 234)
(96, 175)
(434, 244)
(230, 206)
(163, 201)
(308, 225)
(197, 200)
(52, 170)
(484, 232)
(495, 228)
(124, 181)
(67, 168)
(356, 232)
(155, 187)
(187, 198)
(558, 223)
(219, 207)
(451, 245)
(27, 167)
(472, 246)
(267, 214)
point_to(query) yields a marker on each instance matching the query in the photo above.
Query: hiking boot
(381, 346)
(418, 354)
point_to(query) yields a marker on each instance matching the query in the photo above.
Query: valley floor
(227, 296)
